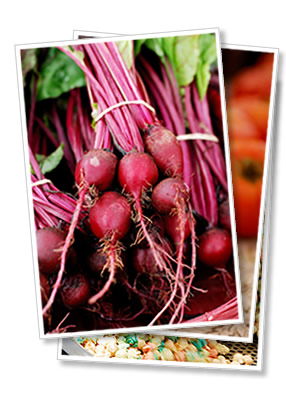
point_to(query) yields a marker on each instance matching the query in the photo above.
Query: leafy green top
(50, 162)
(190, 56)
(58, 74)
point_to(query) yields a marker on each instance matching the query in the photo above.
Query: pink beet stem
(175, 90)
(84, 68)
(45, 218)
(63, 138)
(32, 109)
(210, 193)
(126, 144)
(193, 267)
(194, 128)
(118, 87)
(94, 88)
(146, 116)
(81, 121)
(47, 131)
(202, 109)
(106, 82)
(197, 191)
(164, 110)
(73, 135)
(56, 211)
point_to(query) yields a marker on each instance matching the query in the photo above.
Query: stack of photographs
(148, 161)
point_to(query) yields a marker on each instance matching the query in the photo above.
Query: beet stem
(193, 266)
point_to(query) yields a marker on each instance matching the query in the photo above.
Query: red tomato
(256, 110)
(254, 80)
(247, 160)
(266, 61)
(240, 125)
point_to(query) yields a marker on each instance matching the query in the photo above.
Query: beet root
(136, 173)
(110, 219)
(110, 216)
(143, 260)
(166, 151)
(75, 291)
(96, 262)
(215, 248)
(178, 227)
(49, 244)
(169, 194)
(97, 167)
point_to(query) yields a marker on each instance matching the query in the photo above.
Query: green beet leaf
(190, 57)
(182, 52)
(208, 48)
(50, 162)
(137, 46)
(58, 74)
(203, 78)
(208, 57)
(126, 50)
(156, 45)
(185, 58)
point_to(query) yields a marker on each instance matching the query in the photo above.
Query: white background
(30, 364)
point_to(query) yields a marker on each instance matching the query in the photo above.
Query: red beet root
(110, 216)
(158, 224)
(173, 224)
(49, 244)
(215, 248)
(166, 151)
(96, 262)
(143, 260)
(137, 172)
(96, 167)
(75, 291)
(110, 220)
(168, 194)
